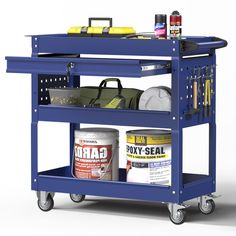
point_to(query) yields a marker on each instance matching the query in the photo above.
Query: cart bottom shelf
(61, 180)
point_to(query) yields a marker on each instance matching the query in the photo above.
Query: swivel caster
(178, 218)
(45, 201)
(177, 213)
(206, 205)
(77, 197)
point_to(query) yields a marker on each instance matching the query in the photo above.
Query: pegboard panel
(49, 81)
(198, 70)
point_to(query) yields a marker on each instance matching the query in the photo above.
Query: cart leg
(206, 204)
(177, 213)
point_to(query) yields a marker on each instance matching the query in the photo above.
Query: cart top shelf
(65, 44)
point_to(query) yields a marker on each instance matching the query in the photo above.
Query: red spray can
(175, 25)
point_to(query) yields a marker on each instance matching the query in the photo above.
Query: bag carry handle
(100, 19)
(103, 84)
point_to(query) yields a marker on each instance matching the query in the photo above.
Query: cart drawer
(88, 66)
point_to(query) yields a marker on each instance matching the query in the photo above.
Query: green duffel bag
(100, 96)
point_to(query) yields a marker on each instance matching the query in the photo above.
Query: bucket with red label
(96, 153)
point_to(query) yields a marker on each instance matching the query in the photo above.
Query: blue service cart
(56, 62)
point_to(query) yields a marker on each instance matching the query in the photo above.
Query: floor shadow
(119, 207)
(224, 214)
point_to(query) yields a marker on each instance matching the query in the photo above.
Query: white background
(18, 210)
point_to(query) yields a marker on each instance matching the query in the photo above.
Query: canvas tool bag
(100, 96)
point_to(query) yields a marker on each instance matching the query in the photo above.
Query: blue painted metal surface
(88, 66)
(61, 180)
(107, 46)
(184, 186)
(106, 116)
(196, 185)
(212, 132)
(74, 81)
(34, 132)
(62, 43)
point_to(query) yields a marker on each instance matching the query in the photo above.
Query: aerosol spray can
(160, 26)
(175, 25)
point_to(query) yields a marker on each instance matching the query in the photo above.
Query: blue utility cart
(56, 62)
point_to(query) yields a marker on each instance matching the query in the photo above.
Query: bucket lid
(148, 132)
(156, 99)
(97, 133)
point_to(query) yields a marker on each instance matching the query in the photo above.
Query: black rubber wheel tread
(181, 221)
(212, 209)
(77, 201)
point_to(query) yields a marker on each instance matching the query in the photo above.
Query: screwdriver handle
(195, 94)
(205, 93)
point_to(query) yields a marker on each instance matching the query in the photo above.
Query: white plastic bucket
(96, 153)
(149, 156)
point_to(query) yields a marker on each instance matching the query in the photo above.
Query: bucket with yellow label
(148, 154)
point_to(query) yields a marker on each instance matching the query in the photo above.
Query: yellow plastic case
(100, 31)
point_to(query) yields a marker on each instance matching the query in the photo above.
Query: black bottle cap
(160, 18)
(175, 13)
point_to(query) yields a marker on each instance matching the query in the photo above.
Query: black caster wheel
(207, 208)
(178, 218)
(77, 197)
(46, 206)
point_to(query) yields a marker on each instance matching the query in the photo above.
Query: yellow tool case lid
(100, 31)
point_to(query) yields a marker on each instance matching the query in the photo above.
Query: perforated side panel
(188, 98)
(49, 81)
(194, 69)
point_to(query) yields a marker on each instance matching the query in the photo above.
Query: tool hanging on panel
(200, 91)
(208, 91)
